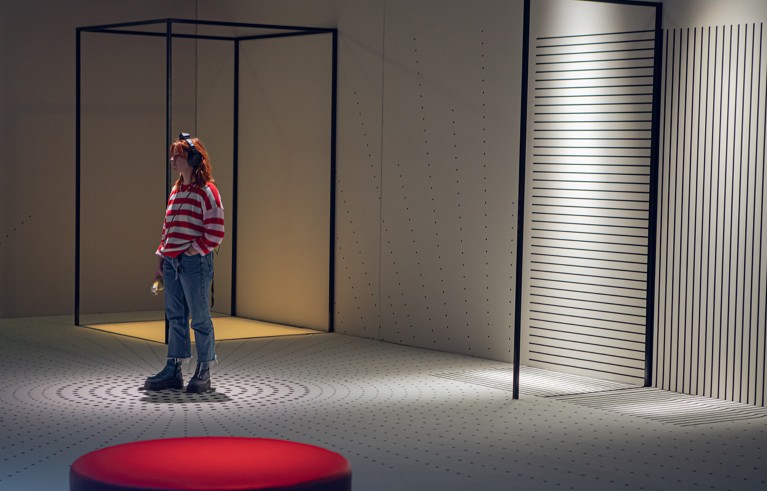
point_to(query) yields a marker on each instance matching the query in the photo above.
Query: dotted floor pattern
(68, 391)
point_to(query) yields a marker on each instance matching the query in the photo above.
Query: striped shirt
(194, 218)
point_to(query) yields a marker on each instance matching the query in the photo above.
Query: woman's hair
(203, 174)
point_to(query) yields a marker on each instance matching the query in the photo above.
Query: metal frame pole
(521, 199)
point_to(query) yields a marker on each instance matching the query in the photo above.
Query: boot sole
(163, 385)
(198, 389)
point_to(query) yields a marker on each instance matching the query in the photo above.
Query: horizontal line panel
(627, 273)
(606, 327)
(574, 333)
(594, 352)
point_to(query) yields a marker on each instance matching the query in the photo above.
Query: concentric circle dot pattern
(387, 408)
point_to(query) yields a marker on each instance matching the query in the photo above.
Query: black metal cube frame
(278, 31)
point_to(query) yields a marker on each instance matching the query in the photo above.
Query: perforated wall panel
(450, 117)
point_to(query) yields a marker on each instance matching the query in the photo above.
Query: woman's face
(179, 163)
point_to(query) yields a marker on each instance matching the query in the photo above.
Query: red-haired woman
(193, 227)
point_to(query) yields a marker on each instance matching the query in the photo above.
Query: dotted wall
(449, 177)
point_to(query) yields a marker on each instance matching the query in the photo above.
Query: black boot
(169, 377)
(200, 382)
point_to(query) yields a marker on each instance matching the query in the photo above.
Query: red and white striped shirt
(194, 218)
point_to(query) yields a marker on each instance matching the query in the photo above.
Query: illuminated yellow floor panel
(225, 328)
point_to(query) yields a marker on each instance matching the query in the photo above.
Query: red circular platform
(211, 464)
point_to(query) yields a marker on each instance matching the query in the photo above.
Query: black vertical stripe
(746, 299)
(693, 370)
(674, 223)
(762, 301)
(753, 229)
(660, 326)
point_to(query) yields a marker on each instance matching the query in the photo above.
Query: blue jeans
(187, 293)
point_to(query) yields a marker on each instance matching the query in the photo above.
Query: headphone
(195, 157)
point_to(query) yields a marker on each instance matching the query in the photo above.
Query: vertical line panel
(711, 283)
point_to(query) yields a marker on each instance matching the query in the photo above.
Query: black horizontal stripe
(594, 52)
(651, 40)
(588, 326)
(593, 121)
(573, 87)
(573, 104)
(630, 227)
(592, 190)
(616, 33)
(599, 353)
(610, 217)
(634, 350)
(589, 207)
(586, 360)
(585, 292)
(581, 333)
(590, 301)
(589, 241)
(639, 378)
(592, 78)
(607, 60)
(565, 96)
(593, 259)
(594, 112)
(601, 285)
(567, 130)
(585, 275)
(592, 138)
(572, 70)
(603, 311)
(619, 270)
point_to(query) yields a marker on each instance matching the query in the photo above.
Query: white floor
(406, 418)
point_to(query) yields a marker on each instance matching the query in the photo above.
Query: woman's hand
(158, 269)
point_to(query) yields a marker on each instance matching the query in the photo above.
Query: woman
(193, 227)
